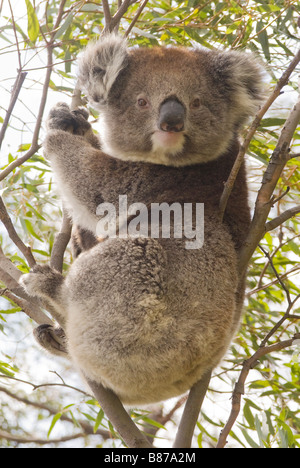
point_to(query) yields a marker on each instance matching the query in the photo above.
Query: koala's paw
(51, 338)
(41, 281)
(62, 118)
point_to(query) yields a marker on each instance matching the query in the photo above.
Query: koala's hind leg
(51, 338)
(47, 284)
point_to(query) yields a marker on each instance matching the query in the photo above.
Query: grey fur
(146, 317)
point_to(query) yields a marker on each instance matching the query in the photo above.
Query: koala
(146, 316)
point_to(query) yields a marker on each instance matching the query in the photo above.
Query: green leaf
(30, 229)
(153, 423)
(249, 439)
(64, 26)
(260, 432)
(10, 311)
(271, 122)
(283, 438)
(33, 28)
(289, 436)
(98, 421)
(54, 421)
(90, 7)
(262, 38)
(248, 415)
(259, 384)
(269, 422)
(6, 369)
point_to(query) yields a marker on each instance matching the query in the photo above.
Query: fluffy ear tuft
(100, 65)
(243, 77)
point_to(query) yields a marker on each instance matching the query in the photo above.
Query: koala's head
(169, 105)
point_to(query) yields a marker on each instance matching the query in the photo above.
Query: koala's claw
(53, 339)
(62, 118)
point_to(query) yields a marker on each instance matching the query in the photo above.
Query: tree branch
(283, 80)
(265, 199)
(24, 439)
(136, 17)
(112, 23)
(31, 310)
(60, 243)
(274, 223)
(239, 388)
(106, 12)
(118, 416)
(191, 412)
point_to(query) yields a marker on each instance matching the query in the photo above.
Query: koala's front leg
(76, 164)
(74, 122)
(47, 284)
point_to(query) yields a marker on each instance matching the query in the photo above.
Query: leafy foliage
(270, 415)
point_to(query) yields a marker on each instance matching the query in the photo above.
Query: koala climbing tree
(127, 298)
(147, 317)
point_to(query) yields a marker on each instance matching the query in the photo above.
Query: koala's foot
(42, 281)
(51, 338)
(62, 118)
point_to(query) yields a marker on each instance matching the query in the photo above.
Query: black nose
(171, 116)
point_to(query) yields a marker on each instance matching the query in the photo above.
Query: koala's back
(152, 300)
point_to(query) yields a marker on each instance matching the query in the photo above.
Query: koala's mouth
(172, 142)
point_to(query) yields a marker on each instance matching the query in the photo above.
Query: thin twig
(87, 428)
(287, 292)
(16, 35)
(14, 96)
(76, 98)
(136, 17)
(272, 283)
(239, 388)
(288, 214)
(26, 251)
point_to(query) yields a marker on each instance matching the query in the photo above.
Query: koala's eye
(195, 104)
(142, 102)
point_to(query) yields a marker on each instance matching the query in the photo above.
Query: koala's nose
(171, 116)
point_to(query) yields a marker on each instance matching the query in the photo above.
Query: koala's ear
(243, 79)
(100, 65)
